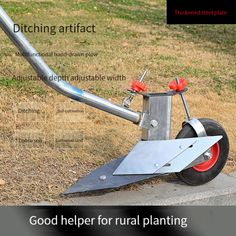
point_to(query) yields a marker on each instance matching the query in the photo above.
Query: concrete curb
(220, 191)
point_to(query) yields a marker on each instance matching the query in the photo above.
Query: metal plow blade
(103, 178)
(149, 157)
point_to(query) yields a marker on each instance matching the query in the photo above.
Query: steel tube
(61, 86)
(186, 108)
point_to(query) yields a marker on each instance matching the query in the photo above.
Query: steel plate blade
(190, 154)
(103, 178)
(148, 156)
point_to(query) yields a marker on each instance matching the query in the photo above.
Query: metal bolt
(103, 177)
(207, 155)
(154, 123)
(156, 165)
(180, 147)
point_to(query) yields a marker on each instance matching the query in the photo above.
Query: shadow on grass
(222, 36)
(104, 145)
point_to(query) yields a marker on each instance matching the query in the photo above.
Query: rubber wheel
(206, 171)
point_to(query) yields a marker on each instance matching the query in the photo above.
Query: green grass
(222, 36)
(232, 84)
(39, 91)
(218, 84)
(9, 82)
(127, 2)
(134, 10)
(113, 92)
(167, 58)
(197, 72)
(22, 7)
(24, 86)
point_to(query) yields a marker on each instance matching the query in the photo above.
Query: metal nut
(154, 123)
(207, 155)
(103, 177)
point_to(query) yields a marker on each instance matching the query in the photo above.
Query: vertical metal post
(159, 107)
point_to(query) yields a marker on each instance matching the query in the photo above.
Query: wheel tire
(205, 172)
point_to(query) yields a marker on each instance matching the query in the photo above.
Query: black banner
(201, 11)
(117, 221)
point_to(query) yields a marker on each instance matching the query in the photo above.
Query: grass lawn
(131, 35)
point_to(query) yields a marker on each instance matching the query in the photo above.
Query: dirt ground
(34, 165)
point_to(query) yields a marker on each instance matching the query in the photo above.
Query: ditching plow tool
(197, 155)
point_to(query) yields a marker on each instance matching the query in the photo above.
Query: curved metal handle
(61, 86)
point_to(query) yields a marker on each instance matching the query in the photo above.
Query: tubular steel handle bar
(61, 86)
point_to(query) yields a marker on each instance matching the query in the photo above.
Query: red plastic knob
(178, 86)
(138, 86)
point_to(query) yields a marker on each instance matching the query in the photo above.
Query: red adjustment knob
(138, 86)
(178, 86)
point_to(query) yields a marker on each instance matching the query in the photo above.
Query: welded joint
(147, 121)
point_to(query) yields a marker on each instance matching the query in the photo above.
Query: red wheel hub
(207, 165)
